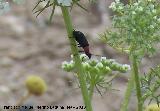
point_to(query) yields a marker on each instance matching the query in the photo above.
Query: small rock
(4, 89)
(6, 62)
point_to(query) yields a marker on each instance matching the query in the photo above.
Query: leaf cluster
(98, 73)
(150, 85)
(135, 26)
(53, 3)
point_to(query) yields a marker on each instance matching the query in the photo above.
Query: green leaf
(150, 84)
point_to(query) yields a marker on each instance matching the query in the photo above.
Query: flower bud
(71, 56)
(107, 69)
(127, 67)
(84, 57)
(86, 66)
(93, 62)
(154, 11)
(155, 17)
(133, 12)
(158, 20)
(140, 9)
(99, 65)
(123, 69)
(70, 66)
(134, 30)
(65, 66)
(106, 62)
(113, 5)
(104, 70)
(151, 27)
(152, 6)
(115, 66)
(72, 63)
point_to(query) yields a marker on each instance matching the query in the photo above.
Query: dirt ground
(28, 45)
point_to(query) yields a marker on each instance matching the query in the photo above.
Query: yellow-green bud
(153, 107)
(107, 69)
(93, 62)
(36, 85)
(99, 65)
(86, 66)
(104, 61)
(84, 57)
(115, 66)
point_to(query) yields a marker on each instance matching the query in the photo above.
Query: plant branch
(130, 86)
(137, 81)
(74, 49)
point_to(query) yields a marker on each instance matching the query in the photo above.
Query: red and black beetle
(81, 39)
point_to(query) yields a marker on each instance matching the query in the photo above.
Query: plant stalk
(128, 93)
(74, 50)
(91, 91)
(92, 85)
(137, 81)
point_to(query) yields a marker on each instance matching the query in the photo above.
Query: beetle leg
(78, 45)
(70, 37)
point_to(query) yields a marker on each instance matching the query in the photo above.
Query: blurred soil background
(28, 45)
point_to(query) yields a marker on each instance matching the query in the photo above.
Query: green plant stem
(77, 60)
(91, 91)
(92, 85)
(128, 93)
(137, 81)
